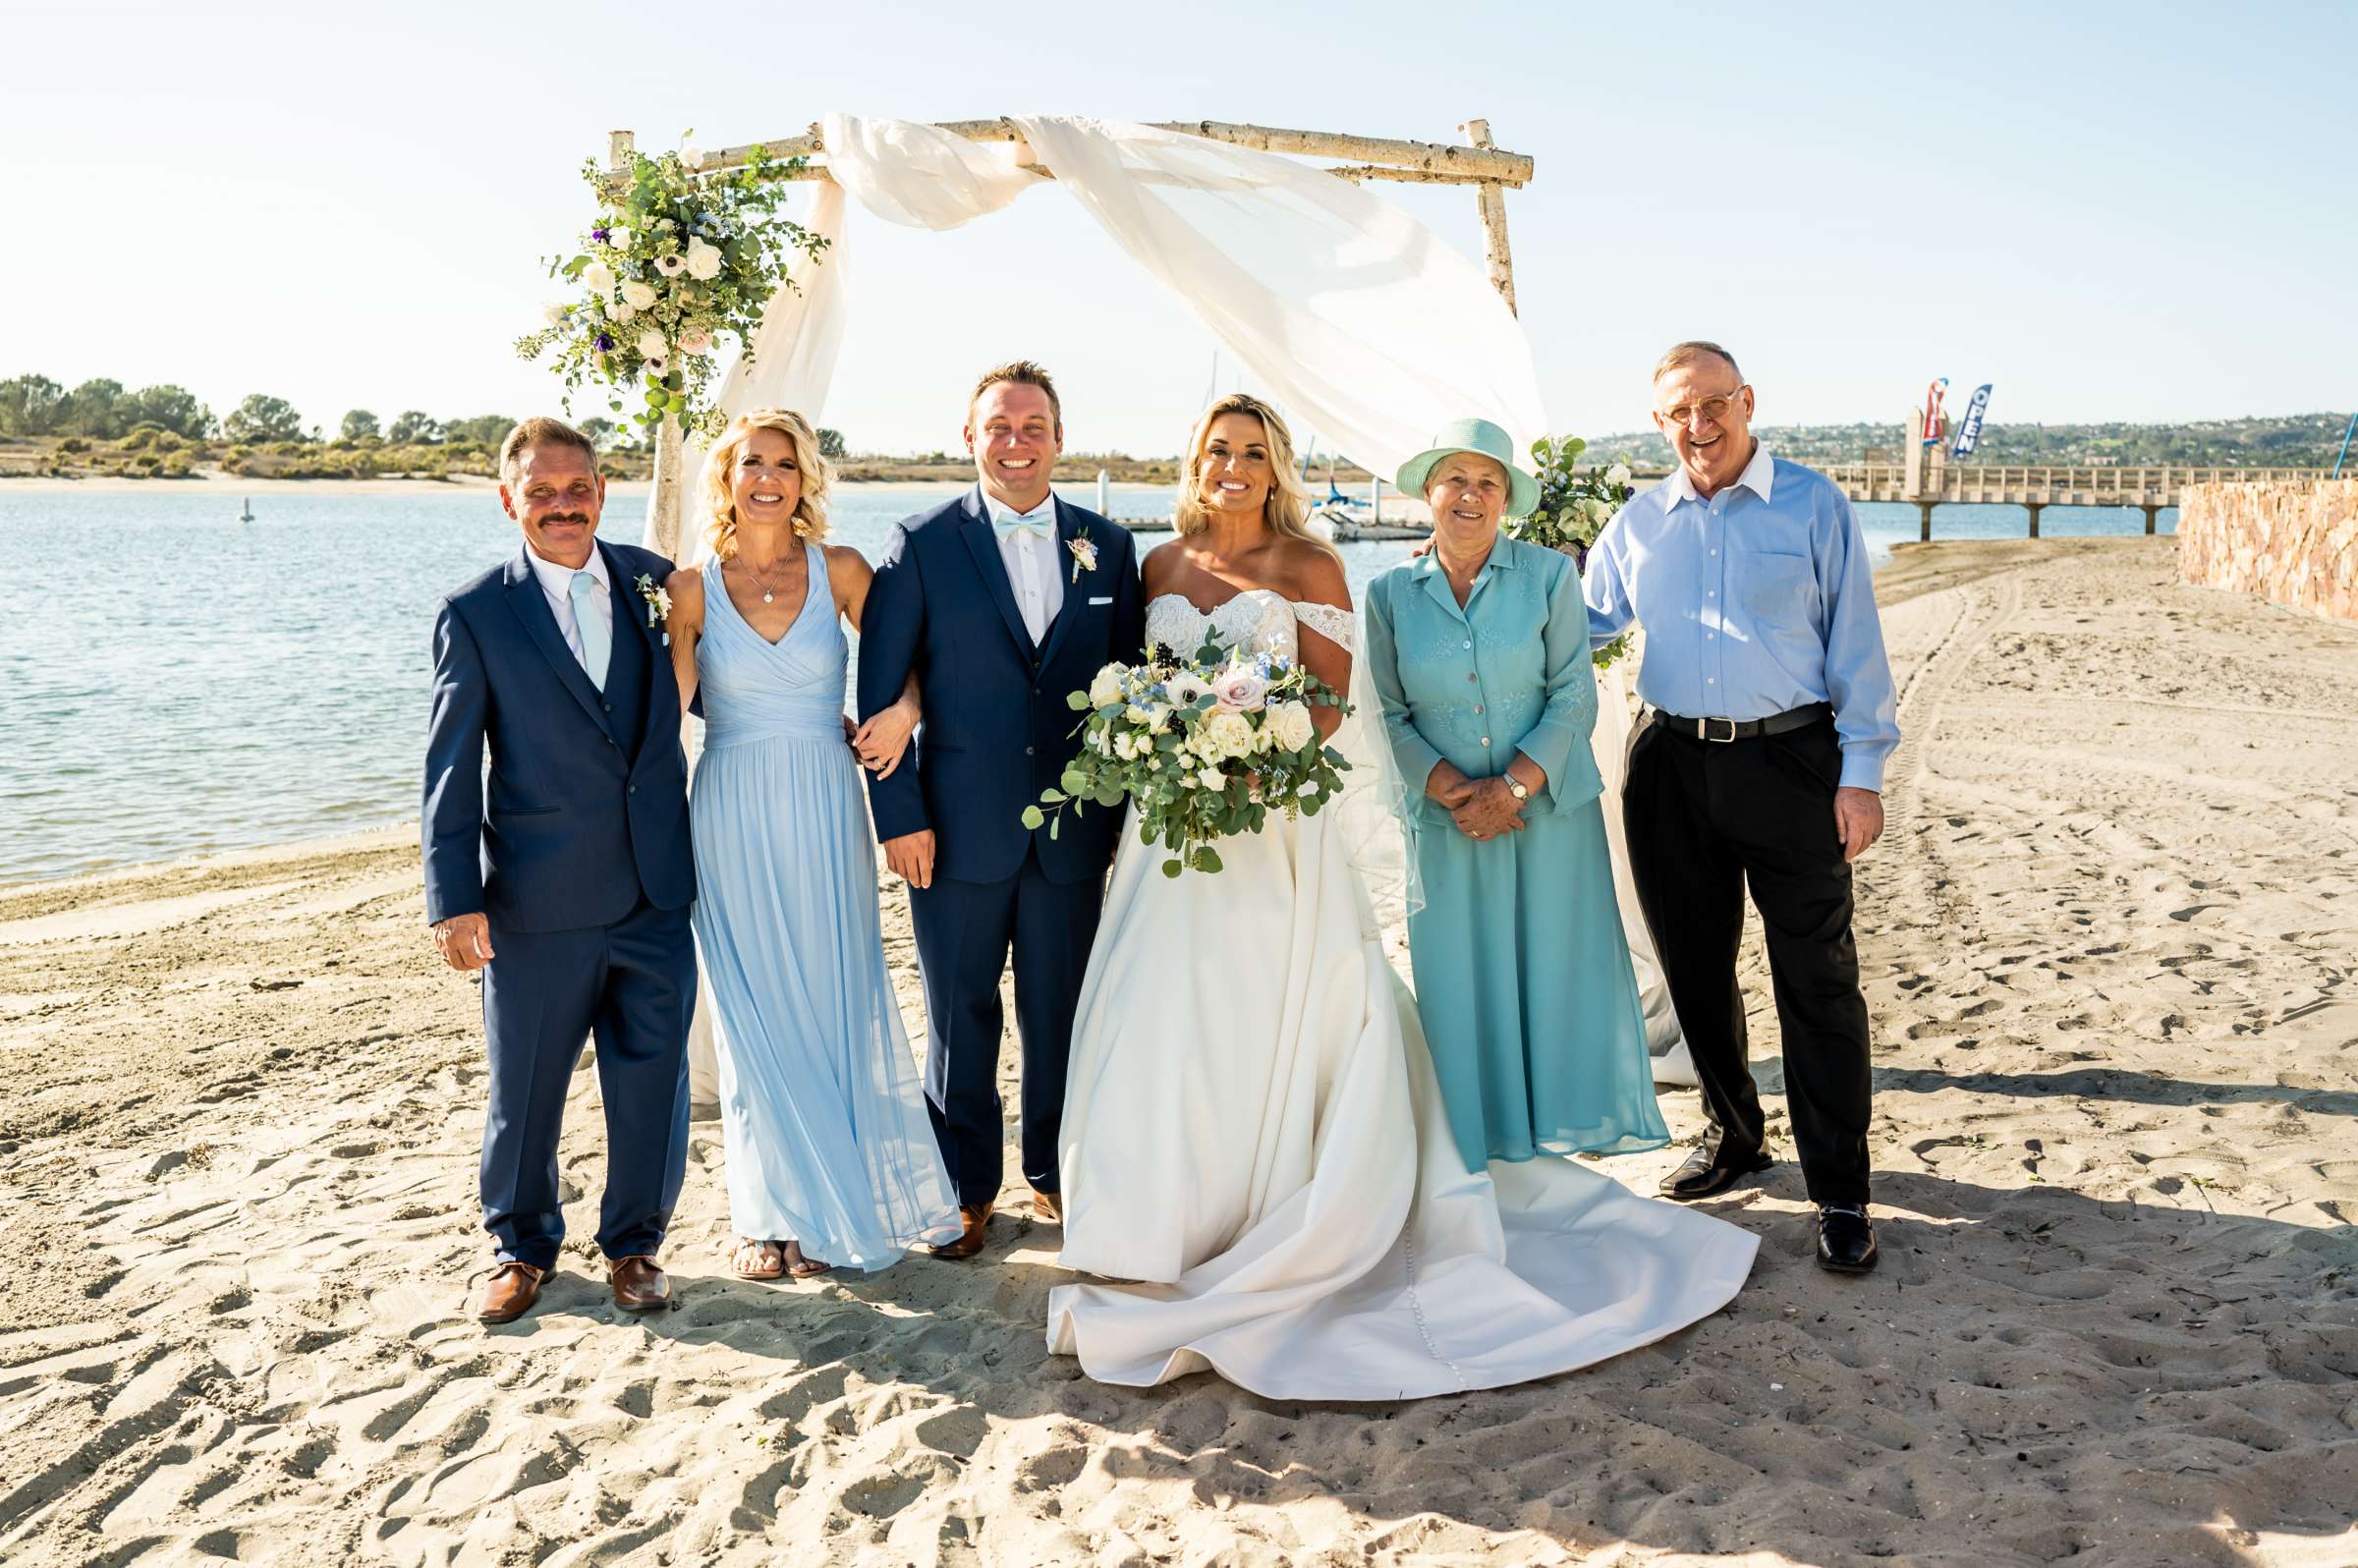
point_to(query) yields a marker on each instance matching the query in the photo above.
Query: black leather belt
(1723, 729)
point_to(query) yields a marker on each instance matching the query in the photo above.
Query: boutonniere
(658, 602)
(1085, 556)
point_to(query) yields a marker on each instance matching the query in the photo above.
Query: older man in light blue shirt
(1769, 715)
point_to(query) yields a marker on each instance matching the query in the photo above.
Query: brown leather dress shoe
(513, 1290)
(639, 1285)
(969, 1242)
(1049, 1206)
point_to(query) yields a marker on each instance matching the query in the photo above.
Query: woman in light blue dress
(1479, 653)
(832, 1158)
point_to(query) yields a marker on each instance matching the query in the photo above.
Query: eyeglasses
(1713, 409)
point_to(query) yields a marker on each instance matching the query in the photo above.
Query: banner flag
(1935, 427)
(1969, 428)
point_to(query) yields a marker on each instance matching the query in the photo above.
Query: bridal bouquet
(676, 260)
(1206, 747)
(1575, 505)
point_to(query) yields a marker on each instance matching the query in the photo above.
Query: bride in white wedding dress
(1257, 1161)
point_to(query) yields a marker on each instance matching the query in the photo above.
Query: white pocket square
(1105, 598)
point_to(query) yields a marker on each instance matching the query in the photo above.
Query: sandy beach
(2107, 942)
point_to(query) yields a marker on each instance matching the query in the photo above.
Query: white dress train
(1256, 1160)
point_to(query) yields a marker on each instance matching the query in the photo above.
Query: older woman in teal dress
(1479, 653)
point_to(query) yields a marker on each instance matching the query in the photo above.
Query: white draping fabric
(1345, 308)
(1349, 312)
(1665, 1043)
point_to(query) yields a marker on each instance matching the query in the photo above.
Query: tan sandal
(799, 1267)
(758, 1250)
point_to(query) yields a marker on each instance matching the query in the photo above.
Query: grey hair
(1689, 351)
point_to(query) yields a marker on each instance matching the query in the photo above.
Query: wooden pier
(2034, 488)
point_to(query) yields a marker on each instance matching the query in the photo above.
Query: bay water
(174, 680)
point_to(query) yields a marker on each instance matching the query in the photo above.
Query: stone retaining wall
(2293, 545)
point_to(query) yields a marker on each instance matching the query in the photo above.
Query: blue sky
(2112, 211)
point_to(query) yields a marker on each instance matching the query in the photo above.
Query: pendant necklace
(759, 581)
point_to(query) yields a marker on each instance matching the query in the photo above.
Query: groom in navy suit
(1002, 602)
(567, 883)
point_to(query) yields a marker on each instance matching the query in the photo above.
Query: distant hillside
(2293, 441)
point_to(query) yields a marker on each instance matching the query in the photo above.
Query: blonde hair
(1287, 510)
(720, 502)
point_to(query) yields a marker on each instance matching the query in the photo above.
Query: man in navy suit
(1002, 602)
(568, 882)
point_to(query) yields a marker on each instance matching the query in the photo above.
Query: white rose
(1125, 746)
(652, 344)
(619, 237)
(598, 279)
(1102, 690)
(695, 340)
(553, 313)
(638, 295)
(1227, 733)
(704, 262)
(691, 157)
(620, 313)
(1291, 723)
(1618, 473)
(1211, 779)
(1161, 721)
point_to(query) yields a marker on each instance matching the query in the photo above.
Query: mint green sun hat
(1484, 439)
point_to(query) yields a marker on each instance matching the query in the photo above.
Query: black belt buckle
(1702, 730)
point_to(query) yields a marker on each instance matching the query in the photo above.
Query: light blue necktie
(1040, 524)
(598, 638)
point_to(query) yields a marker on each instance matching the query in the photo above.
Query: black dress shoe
(1708, 1170)
(1845, 1240)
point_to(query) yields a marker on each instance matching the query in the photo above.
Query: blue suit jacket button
(633, 789)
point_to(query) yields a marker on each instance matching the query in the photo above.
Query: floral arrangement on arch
(1575, 505)
(676, 262)
(1206, 747)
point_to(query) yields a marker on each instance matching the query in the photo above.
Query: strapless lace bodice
(1254, 621)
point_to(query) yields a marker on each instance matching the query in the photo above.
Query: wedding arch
(1344, 307)
(1349, 312)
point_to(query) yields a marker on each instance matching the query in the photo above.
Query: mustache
(564, 517)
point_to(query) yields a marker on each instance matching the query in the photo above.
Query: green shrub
(74, 443)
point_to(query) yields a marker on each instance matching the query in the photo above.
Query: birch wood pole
(663, 531)
(1375, 157)
(1493, 196)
